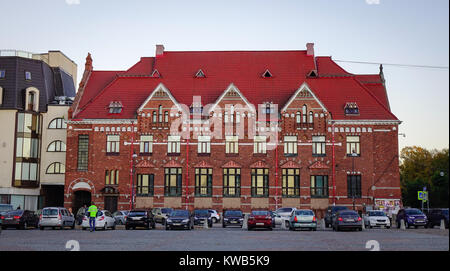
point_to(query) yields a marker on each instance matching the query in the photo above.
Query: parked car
(412, 217)
(160, 214)
(436, 215)
(19, 219)
(282, 215)
(273, 215)
(120, 217)
(140, 218)
(214, 215)
(232, 218)
(376, 218)
(104, 220)
(56, 217)
(303, 219)
(331, 213)
(3, 209)
(180, 219)
(259, 219)
(200, 215)
(347, 219)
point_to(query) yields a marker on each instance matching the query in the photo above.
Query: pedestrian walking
(92, 216)
(81, 213)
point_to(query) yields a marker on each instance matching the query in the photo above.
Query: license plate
(349, 220)
(177, 224)
(233, 221)
(259, 224)
(8, 218)
(419, 221)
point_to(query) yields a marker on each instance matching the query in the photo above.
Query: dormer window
(312, 73)
(28, 75)
(2, 74)
(200, 74)
(351, 109)
(115, 107)
(31, 99)
(156, 74)
(267, 74)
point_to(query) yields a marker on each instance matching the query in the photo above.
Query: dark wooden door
(111, 203)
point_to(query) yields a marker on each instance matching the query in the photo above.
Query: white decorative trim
(231, 87)
(163, 88)
(364, 122)
(303, 87)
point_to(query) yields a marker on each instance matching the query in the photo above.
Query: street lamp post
(354, 154)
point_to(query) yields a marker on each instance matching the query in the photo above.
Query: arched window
(56, 168)
(304, 109)
(57, 123)
(56, 146)
(166, 116)
(31, 99)
(311, 117)
(155, 117)
(238, 117)
(160, 114)
(298, 117)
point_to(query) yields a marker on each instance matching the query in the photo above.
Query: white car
(214, 215)
(376, 219)
(283, 215)
(103, 221)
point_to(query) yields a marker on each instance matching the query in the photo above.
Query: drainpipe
(333, 164)
(187, 173)
(131, 165)
(276, 174)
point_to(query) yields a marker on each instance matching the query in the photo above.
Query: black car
(183, 219)
(200, 215)
(19, 219)
(347, 219)
(232, 218)
(436, 215)
(139, 218)
(331, 213)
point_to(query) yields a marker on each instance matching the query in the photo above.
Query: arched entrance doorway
(81, 197)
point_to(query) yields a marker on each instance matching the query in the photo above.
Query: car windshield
(413, 212)
(180, 213)
(284, 210)
(378, 213)
(233, 213)
(201, 212)
(166, 210)
(5, 207)
(445, 212)
(339, 208)
(304, 212)
(348, 213)
(16, 212)
(137, 213)
(50, 212)
(260, 213)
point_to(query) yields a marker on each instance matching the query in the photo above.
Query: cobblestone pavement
(229, 239)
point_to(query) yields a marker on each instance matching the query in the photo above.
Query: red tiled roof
(242, 68)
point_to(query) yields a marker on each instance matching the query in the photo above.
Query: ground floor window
(172, 182)
(231, 182)
(144, 185)
(260, 182)
(291, 182)
(319, 186)
(203, 182)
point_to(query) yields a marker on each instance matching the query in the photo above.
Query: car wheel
(314, 229)
(360, 229)
(163, 221)
(388, 227)
(114, 226)
(214, 220)
(73, 226)
(24, 226)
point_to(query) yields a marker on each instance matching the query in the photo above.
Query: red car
(259, 219)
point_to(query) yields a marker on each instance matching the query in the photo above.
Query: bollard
(442, 227)
(402, 224)
(283, 224)
(205, 223)
(363, 225)
(322, 224)
(244, 223)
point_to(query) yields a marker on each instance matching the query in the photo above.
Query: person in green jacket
(92, 216)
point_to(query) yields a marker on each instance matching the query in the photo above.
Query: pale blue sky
(118, 33)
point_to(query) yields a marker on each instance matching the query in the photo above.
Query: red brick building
(231, 129)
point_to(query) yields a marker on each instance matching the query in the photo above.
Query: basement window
(115, 107)
(351, 109)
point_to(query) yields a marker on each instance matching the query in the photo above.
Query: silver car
(120, 217)
(303, 219)
(56, 217)
(282, 215)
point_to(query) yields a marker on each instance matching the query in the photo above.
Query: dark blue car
(412, 217)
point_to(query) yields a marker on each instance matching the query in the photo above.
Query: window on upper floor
(83, 152)
(204, 145)
(318, 145)
(57, 123)
(27, 75)
(2, 74)
(353, 146)
(112, 144)
(56, 168)
(290, 145)
(351, 109)
(173, 145)
(160, 114)
(146, 144)
(56, 146)
(231, 144)
(1, 95)
(112, 177)
(260, 145)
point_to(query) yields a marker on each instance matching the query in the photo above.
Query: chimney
(88, 64)
(310, 49)
(159, 50)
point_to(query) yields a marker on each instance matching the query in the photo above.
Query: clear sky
(117, 33)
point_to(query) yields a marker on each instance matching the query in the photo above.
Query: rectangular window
(203, 182)
(318, 145)
(319, 186)
(291, 182)
(290, 145)
(354, 186)
(144, 186)
(231, 182)
(173, 145)
(27, 75)
(112, 144)
(112, 177)
(353, 146)
(83, 152)
(231, 144)
(260, 144)
(2, 74)
(146, 144)
(172, 182)
(204, 145)
(260, 182)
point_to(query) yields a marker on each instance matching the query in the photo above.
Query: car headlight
(185, 220)
(226, 219)
(241, 219)
(169, 220)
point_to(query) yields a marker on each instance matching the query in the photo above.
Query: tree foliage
(419, 168)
